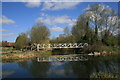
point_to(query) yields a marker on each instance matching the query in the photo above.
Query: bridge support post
(38, 47)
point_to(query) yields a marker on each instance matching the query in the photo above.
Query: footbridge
(59, 45)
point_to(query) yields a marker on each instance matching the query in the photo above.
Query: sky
(19, 17)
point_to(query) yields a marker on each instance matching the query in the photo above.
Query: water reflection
(101, 64)
(37, 69)
(63, 51)
(79, 69)
(5, 73)
(60, 69)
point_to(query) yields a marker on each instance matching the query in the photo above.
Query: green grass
(11, 52)
(109, 48)
(5, 53)
(7, 48)
(43, 53)
(102, 75)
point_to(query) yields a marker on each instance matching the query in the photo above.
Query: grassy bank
(102, 75)
(9, 53)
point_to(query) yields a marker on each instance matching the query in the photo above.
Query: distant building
(7, 44)
(10, 44)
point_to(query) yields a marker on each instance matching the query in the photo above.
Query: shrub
(101, 75)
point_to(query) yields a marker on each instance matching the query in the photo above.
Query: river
(65, 69)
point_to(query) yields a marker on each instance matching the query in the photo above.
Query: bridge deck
(59, 45)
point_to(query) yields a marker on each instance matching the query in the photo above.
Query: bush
(92, 48)
(110, 41)
(101, 75)
(4, 43)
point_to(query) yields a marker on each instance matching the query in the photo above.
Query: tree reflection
(106, 64)
(37, 69)
(24, 65)
(79, 69)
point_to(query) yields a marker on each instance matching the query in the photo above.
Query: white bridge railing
(60, 45)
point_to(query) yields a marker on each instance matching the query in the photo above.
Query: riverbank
(10, 54)
(20, 55)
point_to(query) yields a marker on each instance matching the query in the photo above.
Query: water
(78, 69)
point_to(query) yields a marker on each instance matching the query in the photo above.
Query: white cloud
(116, 32)
(72, 22)
(5, 20)
(4, 30)
(53, 20)
(47, 6)
(51, 5)
(59, 5)
(34, 3)
(62, 19)
(58, 29)
(63, 0)
(7, 35)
